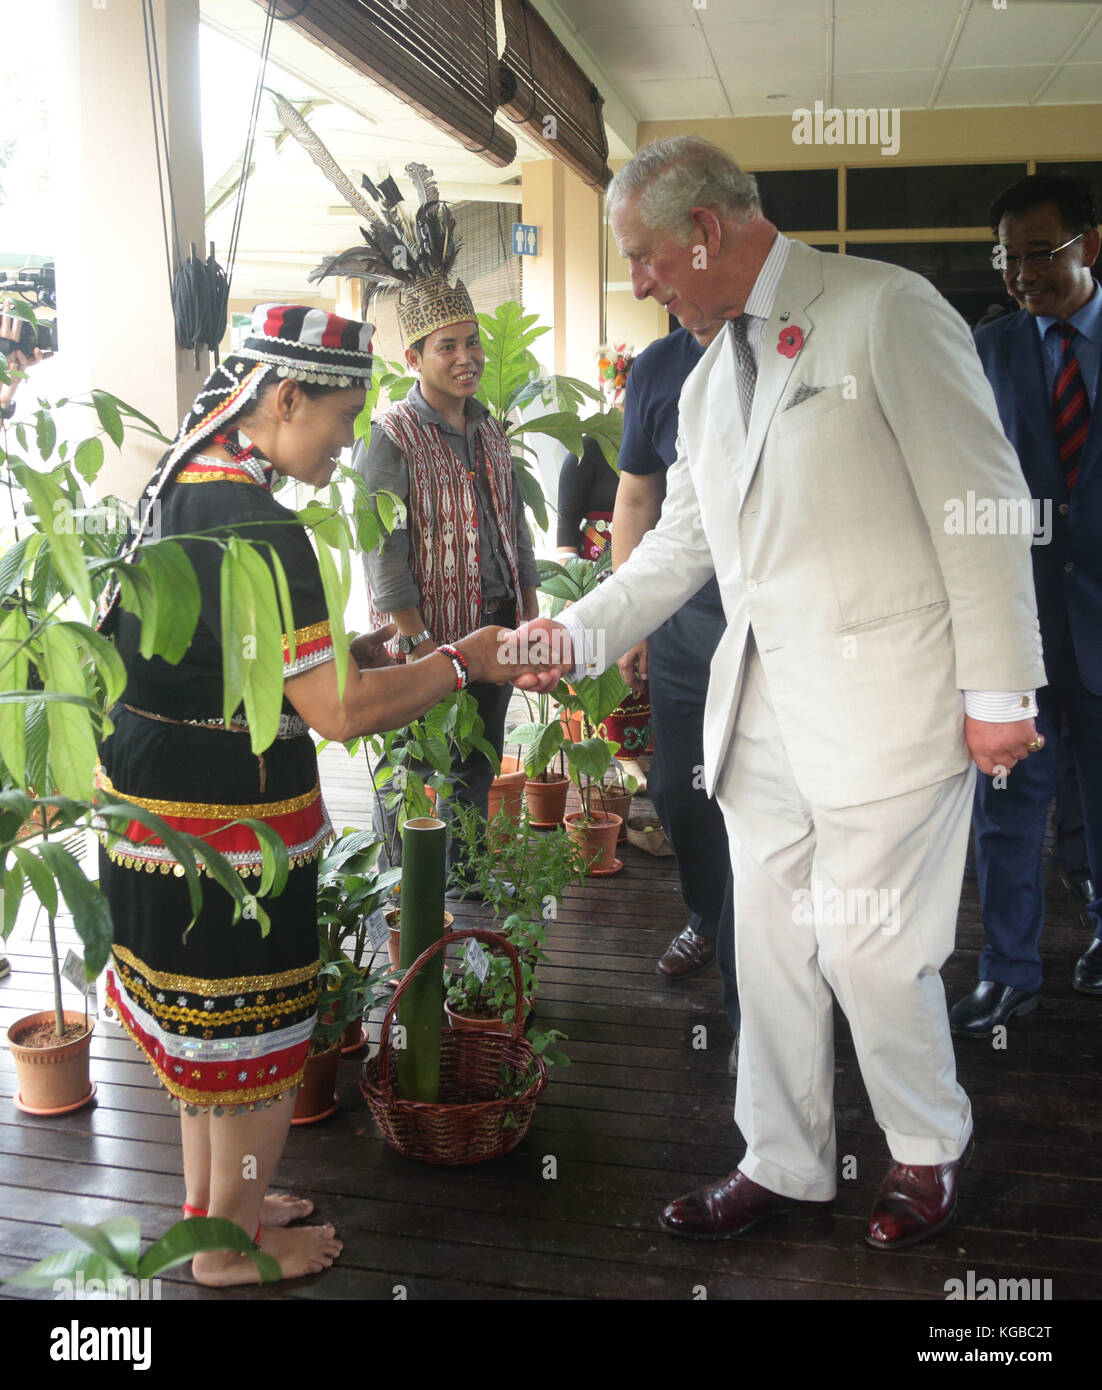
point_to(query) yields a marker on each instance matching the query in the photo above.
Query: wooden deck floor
(639, 1117)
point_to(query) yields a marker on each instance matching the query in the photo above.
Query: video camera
(41, 282)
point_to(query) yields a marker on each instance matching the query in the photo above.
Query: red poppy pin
(790, 341)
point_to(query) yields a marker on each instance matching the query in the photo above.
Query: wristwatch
(407, 644)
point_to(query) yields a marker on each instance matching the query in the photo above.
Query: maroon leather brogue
(686, 955)
(726, 1208)
(915, 1201)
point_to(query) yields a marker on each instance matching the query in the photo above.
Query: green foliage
(110, 1251)
(346, 995)
(511, 381)
(450, 730)
(351, 887)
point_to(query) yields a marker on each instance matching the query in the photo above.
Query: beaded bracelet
(462, 676)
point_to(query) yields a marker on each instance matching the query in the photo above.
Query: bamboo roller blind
(438, 56)
(545, 90)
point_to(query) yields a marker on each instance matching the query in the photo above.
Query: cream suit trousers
(861, 902)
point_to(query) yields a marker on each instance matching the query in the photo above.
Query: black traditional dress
(223, 1013)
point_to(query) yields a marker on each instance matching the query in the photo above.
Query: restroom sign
(525, 240)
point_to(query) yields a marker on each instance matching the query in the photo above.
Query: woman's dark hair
(1074, 199)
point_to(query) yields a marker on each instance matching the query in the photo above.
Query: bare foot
(280, 1209)
(304, 1250)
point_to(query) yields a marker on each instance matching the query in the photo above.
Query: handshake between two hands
(533, 656)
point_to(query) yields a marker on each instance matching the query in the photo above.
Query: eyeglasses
(1005, 261)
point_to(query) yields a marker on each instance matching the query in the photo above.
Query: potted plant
(346, 995)
(351, 887)
(541, 744)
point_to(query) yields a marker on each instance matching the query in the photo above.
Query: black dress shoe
(1088, 970)
(990, 1005)
(687, 955)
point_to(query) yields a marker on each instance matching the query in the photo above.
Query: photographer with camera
(20, 350)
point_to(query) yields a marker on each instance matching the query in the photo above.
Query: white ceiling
(652, 60)
(673, 59)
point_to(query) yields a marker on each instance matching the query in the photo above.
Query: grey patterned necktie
(747, 367)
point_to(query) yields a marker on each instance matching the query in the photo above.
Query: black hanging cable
(250, 140)
(200, 290)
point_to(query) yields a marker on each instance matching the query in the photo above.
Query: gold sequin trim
(216, 477)
(308, 634)
(212, 1019)
(220, 1098)
(173, 866)
(211, 810)
(240, 984)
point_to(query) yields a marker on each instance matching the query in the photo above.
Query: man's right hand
(633, 665)
(532, 656)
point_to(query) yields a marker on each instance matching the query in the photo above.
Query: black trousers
(471, 776)
(681, 652)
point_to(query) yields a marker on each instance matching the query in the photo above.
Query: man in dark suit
(1043, 364)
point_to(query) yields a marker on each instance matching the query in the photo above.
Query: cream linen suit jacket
(825, 523)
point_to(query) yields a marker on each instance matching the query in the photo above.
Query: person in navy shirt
(676, 660)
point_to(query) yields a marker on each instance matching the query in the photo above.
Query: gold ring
(1037, 744)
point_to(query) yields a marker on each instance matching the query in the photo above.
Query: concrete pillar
(563, 283)
(115, 312)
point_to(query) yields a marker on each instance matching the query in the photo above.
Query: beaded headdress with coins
(412, 255)
(289, 340)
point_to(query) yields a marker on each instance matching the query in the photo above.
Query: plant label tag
(73, 971)
(478, 961)
(378, 930)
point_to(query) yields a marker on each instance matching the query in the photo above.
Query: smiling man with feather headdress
(466, 557)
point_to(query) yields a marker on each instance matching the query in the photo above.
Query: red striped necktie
(1071, 412)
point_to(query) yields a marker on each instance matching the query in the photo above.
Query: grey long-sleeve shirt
(390, 577)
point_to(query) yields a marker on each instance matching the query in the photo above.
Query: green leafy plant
(346, 994)
(351, 886)
(522, 872)
(110, 1252)
(512, 381)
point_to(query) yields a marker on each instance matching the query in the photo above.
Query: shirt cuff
(579, 647)
(1000, 706)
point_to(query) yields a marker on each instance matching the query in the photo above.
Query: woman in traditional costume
(224, 1013)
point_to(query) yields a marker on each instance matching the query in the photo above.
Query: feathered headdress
(414, 257)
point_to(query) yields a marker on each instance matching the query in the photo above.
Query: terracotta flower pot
(572, 725)
(546, 801)
(596, 838)
(394, 943)
(615, 803)
(316, 1098)
(481, 1025)
(53, 1080)
(353, 1039)
(506, 790)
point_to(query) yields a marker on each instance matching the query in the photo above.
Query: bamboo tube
(421, 1010)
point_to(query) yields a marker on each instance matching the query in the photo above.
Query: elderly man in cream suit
(871, 655)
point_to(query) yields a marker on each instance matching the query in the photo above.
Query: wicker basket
(466, 1125)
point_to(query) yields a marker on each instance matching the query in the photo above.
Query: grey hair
(671, 176)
